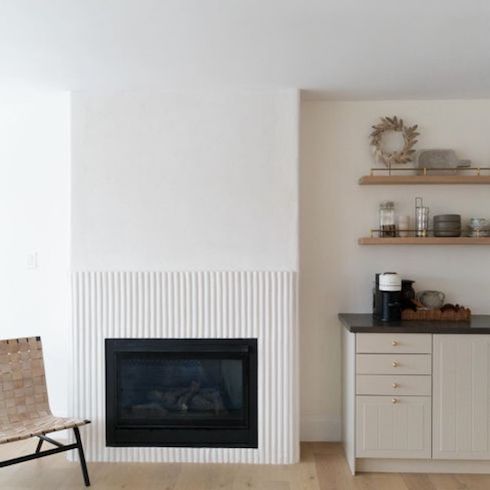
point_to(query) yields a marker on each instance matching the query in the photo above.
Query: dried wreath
(398, 156)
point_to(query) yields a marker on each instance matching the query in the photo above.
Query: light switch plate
(32, 262)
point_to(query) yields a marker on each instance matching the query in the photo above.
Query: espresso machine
(387, 300)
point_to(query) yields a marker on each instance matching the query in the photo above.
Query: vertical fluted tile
(205, 304)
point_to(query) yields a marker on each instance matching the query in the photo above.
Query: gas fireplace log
(191, 398)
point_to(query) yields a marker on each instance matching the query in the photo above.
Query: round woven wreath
(398, 156)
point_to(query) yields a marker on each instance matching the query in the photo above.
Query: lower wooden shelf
(424, 179)
(424, 241)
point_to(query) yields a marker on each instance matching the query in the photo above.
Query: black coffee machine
(387, 300)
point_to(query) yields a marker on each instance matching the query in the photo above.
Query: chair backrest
(23, 393)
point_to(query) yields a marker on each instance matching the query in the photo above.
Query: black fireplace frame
(243, 436)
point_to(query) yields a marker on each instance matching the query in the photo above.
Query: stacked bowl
(479, 227)
(447, 225)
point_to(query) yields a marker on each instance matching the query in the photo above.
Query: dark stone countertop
(365, 323)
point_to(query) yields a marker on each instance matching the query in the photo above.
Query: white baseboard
(421, 466)
(320, 428)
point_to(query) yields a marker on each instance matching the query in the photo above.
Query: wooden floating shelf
(425, 180)
(433, 240)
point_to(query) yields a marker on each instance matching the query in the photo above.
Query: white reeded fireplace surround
(258, 305)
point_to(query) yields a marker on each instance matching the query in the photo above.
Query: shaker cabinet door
(393, 427)
(461, 397)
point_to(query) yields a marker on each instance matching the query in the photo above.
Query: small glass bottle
(387, 225)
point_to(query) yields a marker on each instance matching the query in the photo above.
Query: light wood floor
(322, 467)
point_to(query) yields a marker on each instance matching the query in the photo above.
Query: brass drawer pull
(395, 364)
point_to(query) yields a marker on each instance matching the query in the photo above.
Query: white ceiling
(342, 48)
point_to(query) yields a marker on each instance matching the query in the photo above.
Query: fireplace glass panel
(191, 391)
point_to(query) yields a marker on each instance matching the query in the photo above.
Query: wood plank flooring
(322, 467)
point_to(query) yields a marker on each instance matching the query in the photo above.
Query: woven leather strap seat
(39, 426)
(24, 407)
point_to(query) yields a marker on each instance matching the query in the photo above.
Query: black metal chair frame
(59, 449)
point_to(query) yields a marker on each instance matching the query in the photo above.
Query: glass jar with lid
(387, 225)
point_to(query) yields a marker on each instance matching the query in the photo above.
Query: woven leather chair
(24, 407)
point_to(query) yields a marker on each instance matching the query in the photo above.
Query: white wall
(190, 181)
(219, 173)
(185, 180)
(34, 218)
(336, 273)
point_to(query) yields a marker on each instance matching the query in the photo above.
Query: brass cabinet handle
(395, 364)
(394, 400)
(394, 343)
(395, 385)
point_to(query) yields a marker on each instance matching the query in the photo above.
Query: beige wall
(336, 273)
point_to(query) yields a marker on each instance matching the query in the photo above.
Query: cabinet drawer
(369, 384)
(405, 343)
(393, 364)
(393, 427)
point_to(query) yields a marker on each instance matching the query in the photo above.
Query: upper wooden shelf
(424, 180)
(462, 240)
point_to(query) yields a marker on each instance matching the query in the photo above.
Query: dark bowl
(447, 233)
(448, 217)
(447, 226)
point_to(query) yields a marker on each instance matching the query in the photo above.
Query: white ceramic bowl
(478, 223)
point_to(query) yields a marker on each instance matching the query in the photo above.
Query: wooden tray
(454, 315)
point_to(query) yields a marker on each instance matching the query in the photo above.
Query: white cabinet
(461, 397)
(397, 425)
(416, 402)
(393, 427)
